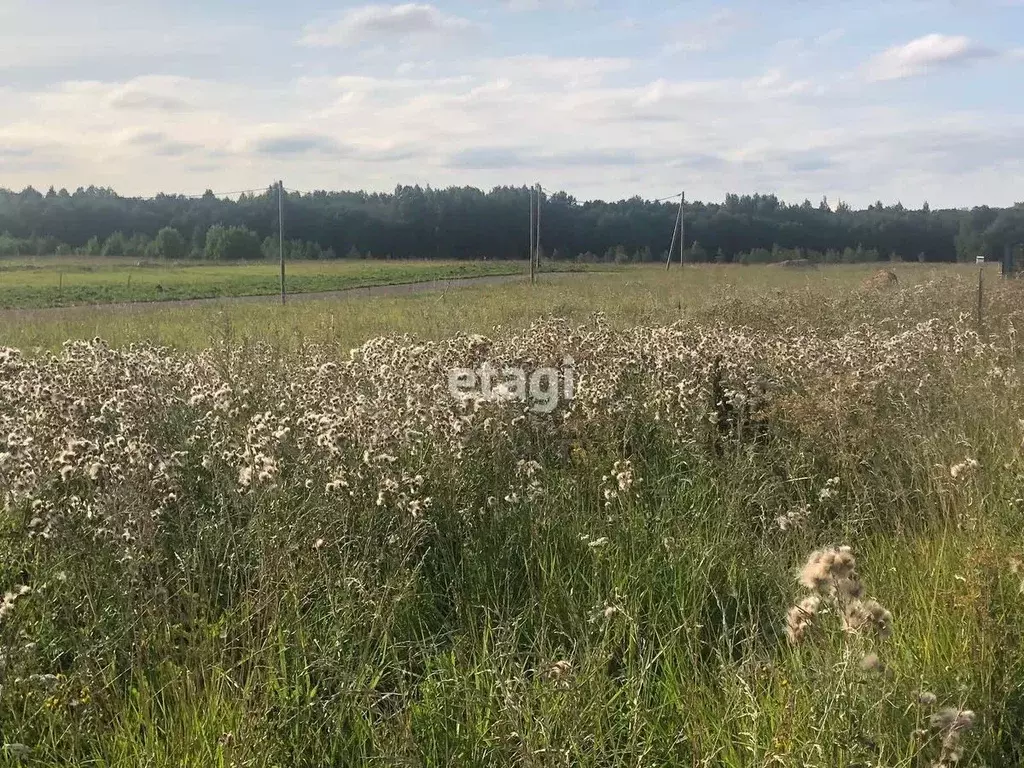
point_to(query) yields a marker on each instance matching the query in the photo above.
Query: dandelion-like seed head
(850, 587)
(865, 615)
(843, 563)
(951, 719)
(800, 618)
(560, 670)
(825, 567)
(871, 663)
(815, 573)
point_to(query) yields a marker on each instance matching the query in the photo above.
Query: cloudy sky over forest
(896, 100)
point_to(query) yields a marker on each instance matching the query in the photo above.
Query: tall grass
(280, 554)
(765, 297)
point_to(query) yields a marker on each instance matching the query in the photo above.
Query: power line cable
(197, 196)
(659, 200)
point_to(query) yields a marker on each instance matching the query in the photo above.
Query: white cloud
(44, 41)
(562, 116)
(156, 93)
(537, 5)
(706, 33)
(554, 71)
(385, 22)
(923, 55)
(595, 126)
(831, 37)
(140, 96)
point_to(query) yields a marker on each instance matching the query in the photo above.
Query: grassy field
(767, 297)
(63, 282)
(779, 524)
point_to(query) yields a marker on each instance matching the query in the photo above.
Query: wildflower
(951, 719)
(268, 468)
(559, 671)
(871, 663)
(794, 518)
(815, 573)
(829, 490)
(867, 614)
(849, 587)
(800, 618)
(843, 563)
(825, 565)
(951, 723)
(10, 598)
(926, 698)
(963, 467)
(623, 471)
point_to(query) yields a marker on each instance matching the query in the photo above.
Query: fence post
(981, 296)
(280, 232)
(533, 239)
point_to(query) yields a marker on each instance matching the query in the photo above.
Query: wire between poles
(659, 200)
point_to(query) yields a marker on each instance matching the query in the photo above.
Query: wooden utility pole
(533, 240)
(682, 227)
(540, 198)
(280, 232)
(675, 231)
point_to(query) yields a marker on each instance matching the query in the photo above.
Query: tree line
(468, 223)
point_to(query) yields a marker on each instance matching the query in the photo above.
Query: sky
(902, 100)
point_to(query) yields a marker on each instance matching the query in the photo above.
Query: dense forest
(467, 223)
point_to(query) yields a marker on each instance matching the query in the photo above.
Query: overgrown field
(64, 282)
(766, 297)
(779, 524)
